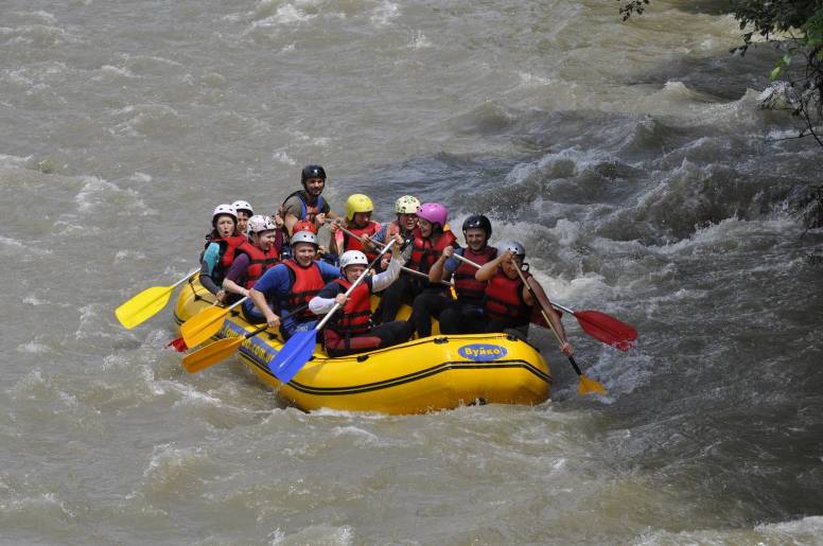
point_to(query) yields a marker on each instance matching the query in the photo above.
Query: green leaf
(774, 73)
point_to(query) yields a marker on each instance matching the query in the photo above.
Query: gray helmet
(514, 246)
(303, 237)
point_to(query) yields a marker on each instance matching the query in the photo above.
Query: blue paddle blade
(293, 355)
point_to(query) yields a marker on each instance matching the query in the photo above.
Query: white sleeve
(321, 306)
(382, 280)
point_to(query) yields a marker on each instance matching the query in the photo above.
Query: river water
(629, 158)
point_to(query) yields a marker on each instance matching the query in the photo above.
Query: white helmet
(224, 209)
(352, 257)
(243, 205)
(407, 204)
(514, 246)
(303, 237)
(259, 223)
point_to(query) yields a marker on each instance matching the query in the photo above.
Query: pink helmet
(434, 213)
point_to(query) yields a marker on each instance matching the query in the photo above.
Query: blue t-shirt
(276, 282)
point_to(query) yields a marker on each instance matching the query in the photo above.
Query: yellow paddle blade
(202, 326)
(211, 354)
(589, 385)
(143, 306)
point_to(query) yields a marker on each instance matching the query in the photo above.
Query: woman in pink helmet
(430, 239)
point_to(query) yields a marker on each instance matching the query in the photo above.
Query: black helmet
(312, 171)
(478, 221)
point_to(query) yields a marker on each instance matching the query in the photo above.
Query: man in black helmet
(458, 316)
(307, 204)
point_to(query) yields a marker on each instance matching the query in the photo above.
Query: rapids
(629, 158)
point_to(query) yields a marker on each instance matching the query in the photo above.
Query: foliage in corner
(795, 27)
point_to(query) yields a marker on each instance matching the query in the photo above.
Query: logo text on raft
(481, 352)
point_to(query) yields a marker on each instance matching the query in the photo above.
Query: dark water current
(630, 159)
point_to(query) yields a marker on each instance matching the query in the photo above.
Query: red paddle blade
(607, 329)
(178, 344)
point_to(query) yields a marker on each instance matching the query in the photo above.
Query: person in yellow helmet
(359, 208)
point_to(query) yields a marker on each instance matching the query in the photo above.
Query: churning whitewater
(631, 160)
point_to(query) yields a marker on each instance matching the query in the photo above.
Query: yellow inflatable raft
(433, 373)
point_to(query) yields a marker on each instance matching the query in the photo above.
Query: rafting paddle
(597, 324)
(403, 268)
(202, 326)
(221, 349)
(215, 352)
(147, 303)
(587, 385)
(300, 347)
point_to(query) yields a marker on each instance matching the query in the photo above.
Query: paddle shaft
(477, 265)
(255, 331)
(552, 328)
(206, 357)
(402, 268)
(354, 285)
(147, 303)
(542, 311)
(187, 277)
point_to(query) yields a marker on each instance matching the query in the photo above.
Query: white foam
(99, 194)
(420, 41)
(385, 13)
(530, 80)
(128, 255)
(283, 157)
(285, 15)
(33, 347)
(567, 232)
(109, 72)
(358, 433)
(33, 300)
(8, 241)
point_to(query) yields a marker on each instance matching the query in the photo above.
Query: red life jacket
(355, 317)
(307, 283)
(259, 261)
(228, 248)
(465, 284)
(346, 242)
(424, 253)
(504, 299)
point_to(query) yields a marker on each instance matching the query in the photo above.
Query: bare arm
(289, 220)
(234, 288)
(436, 271)
(551, 314)
(259, 300)
(487, 270)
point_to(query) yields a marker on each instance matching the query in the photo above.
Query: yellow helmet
(358, 202)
